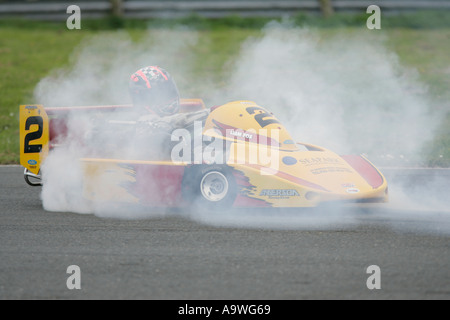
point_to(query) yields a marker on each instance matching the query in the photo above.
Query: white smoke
(102, 65)
(350, 94)
(347, 93)
(100, 72)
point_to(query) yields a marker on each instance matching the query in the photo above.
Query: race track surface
(176, 257)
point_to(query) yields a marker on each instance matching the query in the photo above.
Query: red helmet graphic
(153, 88)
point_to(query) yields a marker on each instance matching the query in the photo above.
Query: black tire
(209, 187)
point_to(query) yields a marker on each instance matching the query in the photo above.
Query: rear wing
(39, 127)
(186, 105)
(34, 138)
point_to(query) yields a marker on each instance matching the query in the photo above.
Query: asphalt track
(178, 258)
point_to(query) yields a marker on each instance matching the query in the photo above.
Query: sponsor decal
(289, 161)
(241, 134)
(352, 190)
(30, 108)
(319, 161)
(279, 193)
(348, 185)
(32, 162)
(330, 170)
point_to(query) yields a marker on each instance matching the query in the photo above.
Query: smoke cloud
(102, 65)
(346, 92)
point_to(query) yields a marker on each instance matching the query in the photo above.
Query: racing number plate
(34, 136)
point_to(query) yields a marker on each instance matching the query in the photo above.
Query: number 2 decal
(35, 135)
(261, 118)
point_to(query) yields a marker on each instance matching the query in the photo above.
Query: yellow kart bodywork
(283, 173)
(265, 165)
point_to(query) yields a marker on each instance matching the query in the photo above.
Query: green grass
(26, 56)
(30, 50)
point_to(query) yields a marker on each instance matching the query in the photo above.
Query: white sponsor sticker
(352, 190)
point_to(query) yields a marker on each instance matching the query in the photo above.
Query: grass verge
(30, 50)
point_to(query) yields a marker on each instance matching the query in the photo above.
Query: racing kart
(237, 155)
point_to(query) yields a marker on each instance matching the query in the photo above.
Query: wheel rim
(214, 186)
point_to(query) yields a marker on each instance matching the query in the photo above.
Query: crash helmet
(152, 88)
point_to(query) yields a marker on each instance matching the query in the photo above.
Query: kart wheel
(210, 188)
(214, 186)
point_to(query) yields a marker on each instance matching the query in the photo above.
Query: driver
(156, 104)
(154, 93)
(156, 99)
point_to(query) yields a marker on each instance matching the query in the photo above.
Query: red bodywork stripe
(289, 177)
(158, 185)
(57, 129)
(244, 198)
(365, 169)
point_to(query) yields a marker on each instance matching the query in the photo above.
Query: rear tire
(209, 187)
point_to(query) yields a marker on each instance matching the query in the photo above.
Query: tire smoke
(346, 92)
